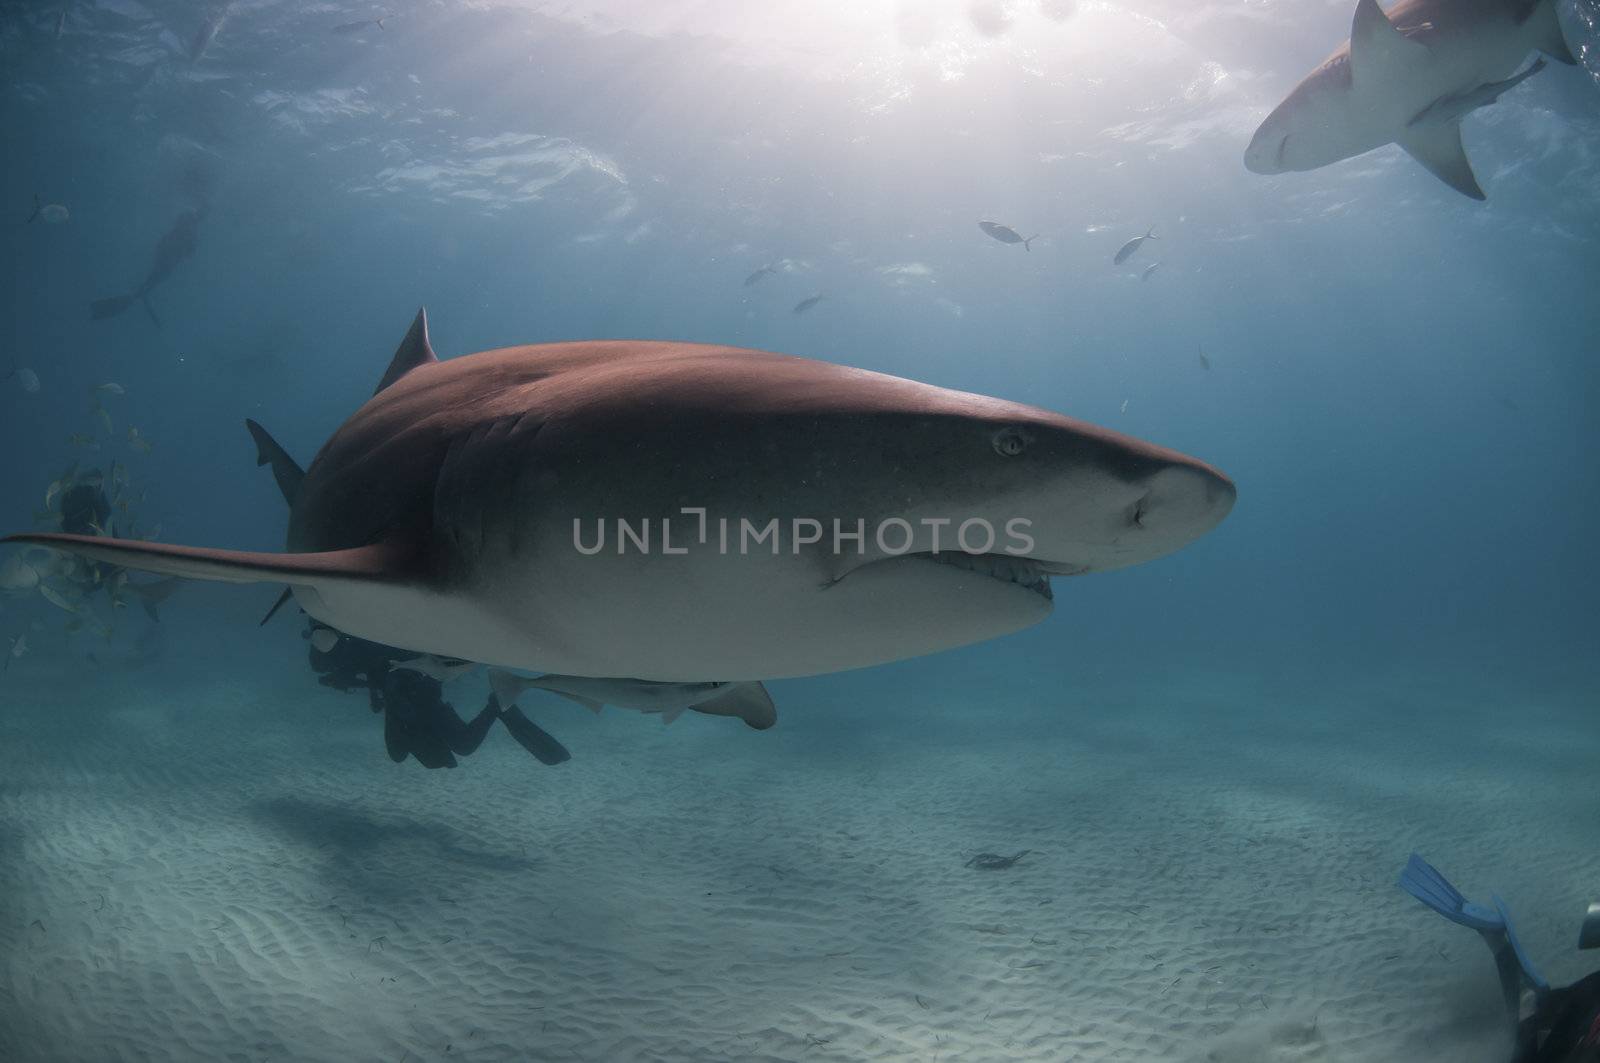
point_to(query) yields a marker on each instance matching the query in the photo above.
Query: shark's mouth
(1026, 572)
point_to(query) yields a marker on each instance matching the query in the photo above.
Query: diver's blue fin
(1530, 973)
(1424, 882)
(1589, 934)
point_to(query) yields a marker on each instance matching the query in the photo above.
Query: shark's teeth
(1019, 570)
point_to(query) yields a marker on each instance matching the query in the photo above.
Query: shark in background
(1409, 77)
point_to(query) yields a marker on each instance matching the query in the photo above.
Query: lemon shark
(1408, 77)
(457, 513)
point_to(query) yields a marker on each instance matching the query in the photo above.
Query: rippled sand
(231, 869)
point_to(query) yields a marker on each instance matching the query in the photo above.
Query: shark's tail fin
(150, 309)
(1150, 234)
(1028, 241)
(101, 309)
(37, 207)
(284, 468)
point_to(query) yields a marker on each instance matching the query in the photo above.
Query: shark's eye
(1009, 442)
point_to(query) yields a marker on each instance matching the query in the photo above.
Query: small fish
(995, 861)
(119, 474)
(806, 304)
(1205, 363)
(51, 492)
(153, 534)
(19, 647)
(1151, 268)
(1124, 405)
(49, 213)
(138, 440)
(26, 377)
(105, 420)
(1007, 235)
(763, 272)
(207, 33)
(55, 598)
(1126, 251)
(357, 27)
(324, 639)
(61, 23)
(78, 439)
(110, 388)
(443, 669)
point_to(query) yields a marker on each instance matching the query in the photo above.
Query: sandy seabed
(228, 868)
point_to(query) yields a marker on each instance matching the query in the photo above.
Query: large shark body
(470, 509)
(1408, 78)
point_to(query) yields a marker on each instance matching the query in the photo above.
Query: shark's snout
(1173, 508)
(1266, 153)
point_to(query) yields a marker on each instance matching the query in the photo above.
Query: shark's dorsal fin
(414, 351)
(1376, 45)
(285, 470)
(1548, 37)
(1439, 149)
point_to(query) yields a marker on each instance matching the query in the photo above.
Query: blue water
(1402, 382)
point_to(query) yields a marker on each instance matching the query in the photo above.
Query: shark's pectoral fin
(749, 702)
(1439, 149)
(1548, 37)
(1377, 46)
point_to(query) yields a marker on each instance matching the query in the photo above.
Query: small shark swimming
(774, 516)
(1408, 78)
(749, 702)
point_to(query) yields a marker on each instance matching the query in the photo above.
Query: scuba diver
(1564, 1025)
(417, 721)
(77, 503)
